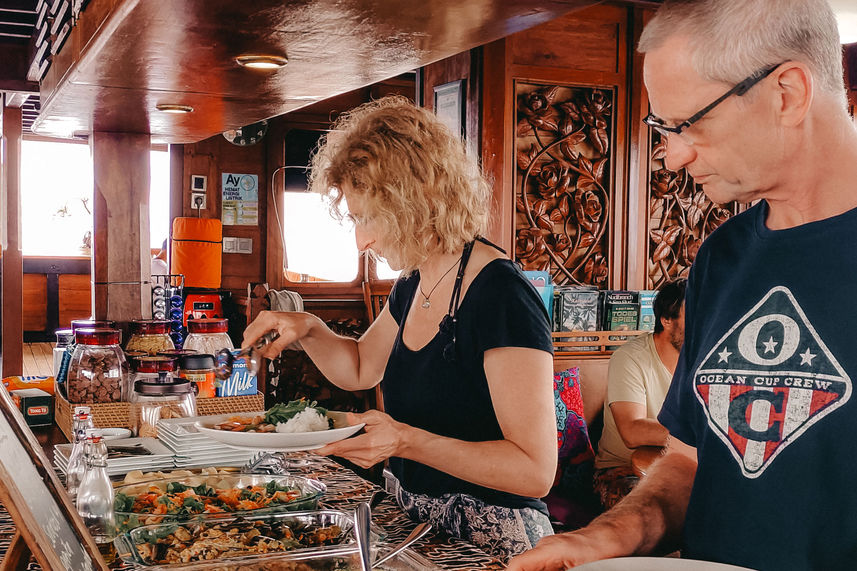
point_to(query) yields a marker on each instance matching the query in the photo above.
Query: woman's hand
(383, 438)
(292, 326)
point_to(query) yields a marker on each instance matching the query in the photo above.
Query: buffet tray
(310, 491)
(127, 543)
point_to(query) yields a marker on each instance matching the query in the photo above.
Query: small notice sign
(240, 205)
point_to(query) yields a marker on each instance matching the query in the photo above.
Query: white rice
(307, 420)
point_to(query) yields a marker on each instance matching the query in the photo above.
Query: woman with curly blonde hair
(463, 345)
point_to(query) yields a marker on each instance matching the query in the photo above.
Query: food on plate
(295, 416)
(205, 541)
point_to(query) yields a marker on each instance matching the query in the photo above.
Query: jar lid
(196, 362)
(154, 388)
(177, 353)
(64, 336)
(154, 364)
(92, 324)
(207, 325)
(96, 336)
(135, 354)
(149, 327)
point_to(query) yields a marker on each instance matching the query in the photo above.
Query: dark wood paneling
(585, 49)
(75, 294)
(34, 303)
(595, 36)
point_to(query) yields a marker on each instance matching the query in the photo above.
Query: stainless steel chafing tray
(127, 543)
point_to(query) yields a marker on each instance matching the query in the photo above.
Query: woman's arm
(351, 364)
(523, 463)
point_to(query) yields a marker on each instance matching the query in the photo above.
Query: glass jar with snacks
(152, 401)
(199, 370)
(207, 336)
(98, 369)
(150, 336)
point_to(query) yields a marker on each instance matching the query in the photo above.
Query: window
(317, 247)
(56, 198)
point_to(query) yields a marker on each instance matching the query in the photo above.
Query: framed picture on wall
(449, 105)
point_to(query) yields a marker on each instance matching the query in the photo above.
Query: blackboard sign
(37, 501)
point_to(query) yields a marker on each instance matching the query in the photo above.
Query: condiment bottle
(199, 370)
(81, 422)
(95, 498)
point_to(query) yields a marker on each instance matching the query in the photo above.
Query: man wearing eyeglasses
(762, 462)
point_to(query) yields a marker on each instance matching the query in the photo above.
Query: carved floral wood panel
(680, 218)
(563, 152)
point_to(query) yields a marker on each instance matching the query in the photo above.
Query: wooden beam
(121, 262)
(12, 260)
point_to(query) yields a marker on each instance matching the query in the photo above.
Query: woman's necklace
(426, 303)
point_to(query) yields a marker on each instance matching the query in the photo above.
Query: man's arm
(635, 428)
(651, 515)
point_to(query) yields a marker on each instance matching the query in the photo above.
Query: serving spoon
(416, 534)
(362, 520)
(224, 360)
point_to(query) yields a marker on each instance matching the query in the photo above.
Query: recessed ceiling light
(261, 61)
(173, 108)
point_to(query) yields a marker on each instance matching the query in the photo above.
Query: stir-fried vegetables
(182, 500)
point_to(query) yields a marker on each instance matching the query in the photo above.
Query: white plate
(277, 441)
(656, 564)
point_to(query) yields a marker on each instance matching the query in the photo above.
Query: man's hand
(558, 553)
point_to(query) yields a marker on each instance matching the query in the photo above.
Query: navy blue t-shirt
(763, 390)
(423, 389)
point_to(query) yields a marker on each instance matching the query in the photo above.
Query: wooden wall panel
(463, 66)
(588, 40)
(35, 302)
(213, 157)
(75, 294)
(585, 51)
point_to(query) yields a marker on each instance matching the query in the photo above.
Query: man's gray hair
(731, 39)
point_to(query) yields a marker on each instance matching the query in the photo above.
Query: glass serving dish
(226, 540)
(213, 495)
(344, 559)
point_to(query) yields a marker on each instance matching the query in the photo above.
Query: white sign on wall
(240, 204)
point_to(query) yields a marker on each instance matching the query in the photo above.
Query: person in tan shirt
(637, 382)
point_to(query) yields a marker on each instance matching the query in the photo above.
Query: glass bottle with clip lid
(95, 497)
(76, 468)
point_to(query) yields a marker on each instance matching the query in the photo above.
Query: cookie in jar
(98, 369)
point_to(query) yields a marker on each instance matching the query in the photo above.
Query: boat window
(317, 247)
(56, 198)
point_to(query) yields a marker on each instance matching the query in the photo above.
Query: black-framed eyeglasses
(740, 89)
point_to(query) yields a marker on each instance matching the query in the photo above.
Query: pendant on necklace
(426, 303)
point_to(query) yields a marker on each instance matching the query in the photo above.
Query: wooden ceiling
(124, 57)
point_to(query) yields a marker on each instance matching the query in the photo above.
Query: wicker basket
(118, 414)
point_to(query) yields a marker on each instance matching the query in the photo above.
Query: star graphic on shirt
(724, 355)
(770, 345)
(806, 358)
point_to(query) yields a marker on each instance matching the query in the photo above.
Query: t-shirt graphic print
(768, 380)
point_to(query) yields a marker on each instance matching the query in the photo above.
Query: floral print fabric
(500, 531)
